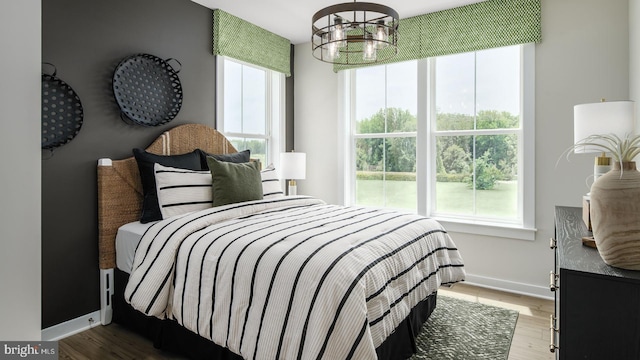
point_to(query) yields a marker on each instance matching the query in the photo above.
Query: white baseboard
(510, 286)
(71, 327)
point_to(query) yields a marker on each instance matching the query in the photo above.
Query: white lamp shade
(293, 165)
(607, 117)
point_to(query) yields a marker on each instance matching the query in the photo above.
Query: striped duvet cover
(293, 277)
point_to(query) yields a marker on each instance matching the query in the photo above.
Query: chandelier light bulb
(382, 35)
(330, 50)
(338, 32)
(369, 53)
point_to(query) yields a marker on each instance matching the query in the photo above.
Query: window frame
(425, 148)
(275, 97)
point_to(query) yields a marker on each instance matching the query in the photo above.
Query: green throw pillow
(235, 182)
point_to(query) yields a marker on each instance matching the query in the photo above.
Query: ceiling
(292, 18)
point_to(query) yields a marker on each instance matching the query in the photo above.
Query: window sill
(488, 229)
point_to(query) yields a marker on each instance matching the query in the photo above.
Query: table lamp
(605, 117)
(293, 166)
(589, 121)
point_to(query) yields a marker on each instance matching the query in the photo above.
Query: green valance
(484, 25)
(241, 40)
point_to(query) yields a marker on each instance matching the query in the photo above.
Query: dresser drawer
(597, 312)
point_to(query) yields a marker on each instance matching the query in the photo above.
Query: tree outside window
(474, 126)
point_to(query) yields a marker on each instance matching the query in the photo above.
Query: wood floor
(530, 341)
(531, 338)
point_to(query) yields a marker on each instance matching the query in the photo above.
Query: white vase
(615, 216)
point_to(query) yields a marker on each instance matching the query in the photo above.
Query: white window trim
(275, 109)
(346, 112)
(425, 149)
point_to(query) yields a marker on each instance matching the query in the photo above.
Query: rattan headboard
(120, 188)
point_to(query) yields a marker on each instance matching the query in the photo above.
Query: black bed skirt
(169, 336)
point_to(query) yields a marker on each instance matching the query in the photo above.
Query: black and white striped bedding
(293, 277)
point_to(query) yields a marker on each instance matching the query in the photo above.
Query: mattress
(127, 240)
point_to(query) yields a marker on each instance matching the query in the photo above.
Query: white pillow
(181, 190)
(271, 187)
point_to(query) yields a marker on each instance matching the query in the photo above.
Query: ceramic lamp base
(292, 188)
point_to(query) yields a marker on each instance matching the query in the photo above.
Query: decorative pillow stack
(177, 184)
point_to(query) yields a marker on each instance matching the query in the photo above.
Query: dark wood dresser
(597, 313)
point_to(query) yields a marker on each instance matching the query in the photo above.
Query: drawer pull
(553, 331)
(553, 243)
(553, 281)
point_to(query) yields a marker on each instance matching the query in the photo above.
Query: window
(385, 135)
(449, 137)
(250, 110)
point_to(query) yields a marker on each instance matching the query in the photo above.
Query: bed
(267, 276)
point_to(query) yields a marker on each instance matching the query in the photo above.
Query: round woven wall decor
(147, 89)
(62, 112)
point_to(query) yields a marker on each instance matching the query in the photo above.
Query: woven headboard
(120, 188)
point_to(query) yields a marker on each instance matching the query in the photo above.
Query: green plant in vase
(621, 149)
(615, 200)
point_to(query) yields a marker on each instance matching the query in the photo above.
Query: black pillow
(238, 157)
(146, 160)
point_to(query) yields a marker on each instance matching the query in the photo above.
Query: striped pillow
(270, 183)
(182, 190)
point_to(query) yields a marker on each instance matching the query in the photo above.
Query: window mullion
(352, 130)
(242, 99)
(385, 135)
(219, 122)
(384, 140)
(423, 135)
(477, 132)
(248, 136)
(475, 127)
(269, 108)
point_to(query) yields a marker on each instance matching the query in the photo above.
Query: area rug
(464, 330)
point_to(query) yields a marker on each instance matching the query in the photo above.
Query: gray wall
(20, 176)
(85, 40)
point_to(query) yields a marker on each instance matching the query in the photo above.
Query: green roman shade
(484, 25)
(241, 40)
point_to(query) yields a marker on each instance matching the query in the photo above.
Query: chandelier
(355, 33)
